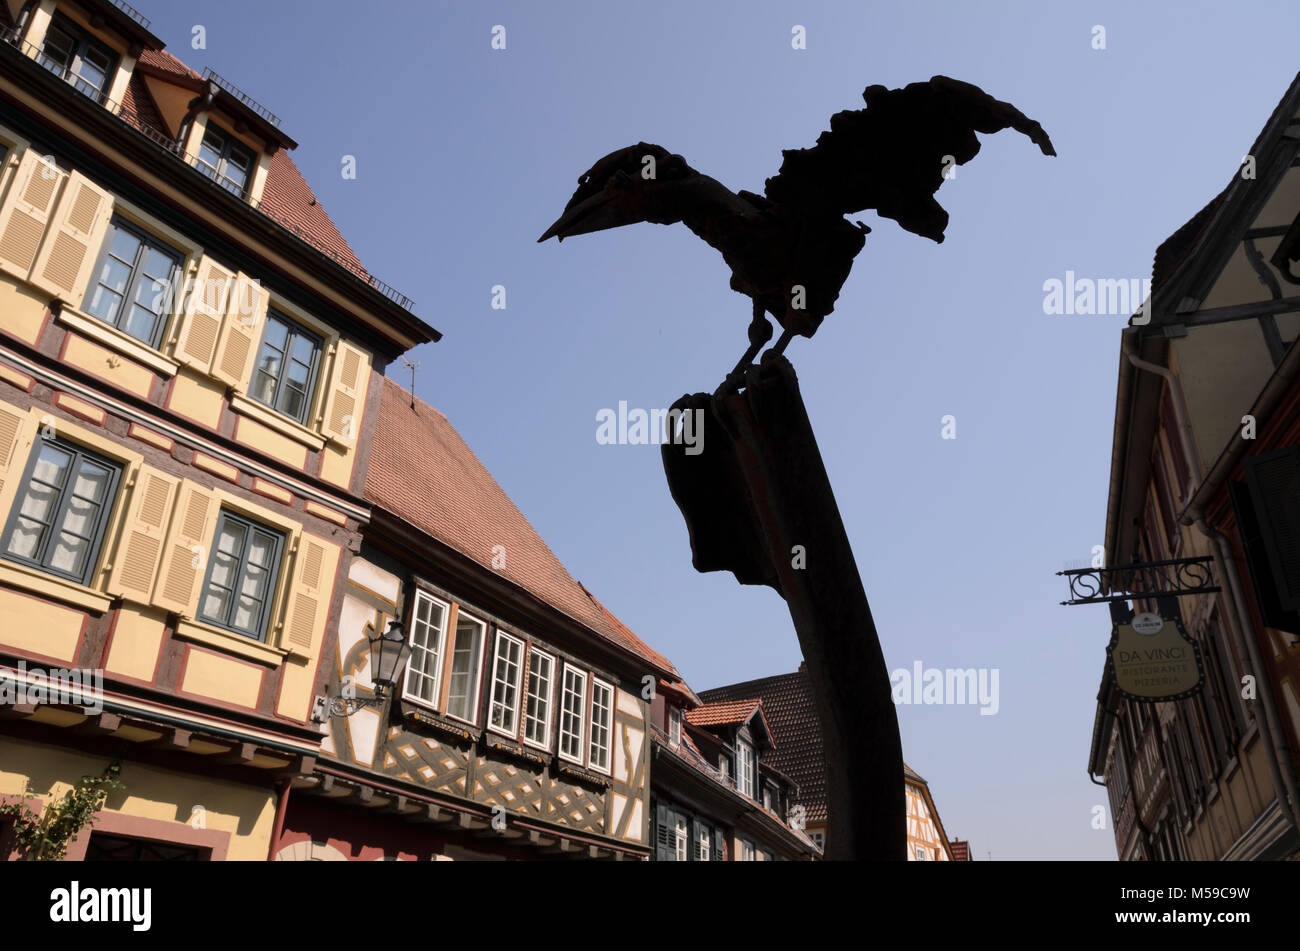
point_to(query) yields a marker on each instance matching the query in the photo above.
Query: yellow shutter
(185, 556)
(241, 334)
(205, 311)
(25, 211)
(72, 240)
(348, 379)
(307, 596)
(140, 549)
(17, 432)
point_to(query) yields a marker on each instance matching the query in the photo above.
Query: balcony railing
(12, 38)
(132, 12)
(242, 96)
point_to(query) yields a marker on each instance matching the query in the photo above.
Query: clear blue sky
(465, 155)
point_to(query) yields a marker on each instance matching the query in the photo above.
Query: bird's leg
(779, 346)
(760, 332)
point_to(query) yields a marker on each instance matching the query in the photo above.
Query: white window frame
(548, 699)
(607, 748)
(744, 768)
(724, 767)
(703, 842)
(681, 837)
(674, 727)
(512, 730)
(581, 718)
(746, 851)
(476, 678)
(420, 593)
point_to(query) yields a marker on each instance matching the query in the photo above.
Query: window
(117, 848)
(573, 702)
(745, 768)
(286, 367)
(75, 58)
(602, 714)
(132, 288)
(818, 838)
(679, 837)
(703, 839)
(224, 160)
(241, 576)
(57, 522)
(724, 767)
(769, 798)
(503, 715)
(920, 854)
(466, 664)
(537, 715)
(674, 727)
(746, 850)
(428, 630)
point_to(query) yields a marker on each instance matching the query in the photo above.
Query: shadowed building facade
(1204, 466)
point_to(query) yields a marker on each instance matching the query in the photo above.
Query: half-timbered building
(1203, 503)
(716, 797)
(522, 726)
(797, 751)
(190, 360)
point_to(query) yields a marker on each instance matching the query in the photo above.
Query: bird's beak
(596, 213)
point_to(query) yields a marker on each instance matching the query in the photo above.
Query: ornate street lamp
(389, 653)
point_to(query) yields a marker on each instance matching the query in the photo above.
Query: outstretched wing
(893, 155)
(642, 182)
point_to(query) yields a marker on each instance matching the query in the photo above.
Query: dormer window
(225, 161)
(74, 57)
(674, 727)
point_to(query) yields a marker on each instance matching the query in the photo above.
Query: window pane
(52, 466)
(40, 502)
(303, 350)
(69, 554)
(293, 402)
(426, 648)
(124, 247)
(79, 517)
(25, 540)
(276, 332)
(463, 688)
(140, 324)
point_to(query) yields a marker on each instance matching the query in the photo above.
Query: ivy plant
(45, 837)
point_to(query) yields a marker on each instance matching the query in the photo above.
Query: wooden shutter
(25, 212)
(144, 531)
(665, 844)
(205, 313)
(17, 433)
(72, 240)
(347, 380)
(241, 333)
(305, 600)
(185, 555)
(1274, 481)
(1257, 559)
(719, 853)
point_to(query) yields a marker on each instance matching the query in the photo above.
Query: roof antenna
(413, 367)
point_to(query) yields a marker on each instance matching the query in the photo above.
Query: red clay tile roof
(796, 732)
(164, 62)
(287, 195)
(424, 473)
(960, 850)
(139, 107)
(717, 714)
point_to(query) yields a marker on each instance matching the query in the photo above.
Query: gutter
(1279, 760)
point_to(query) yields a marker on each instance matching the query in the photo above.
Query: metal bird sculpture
(791, 249)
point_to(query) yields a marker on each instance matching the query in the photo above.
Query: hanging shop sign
(1152, 658)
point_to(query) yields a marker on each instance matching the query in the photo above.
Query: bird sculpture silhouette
(791, 249)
